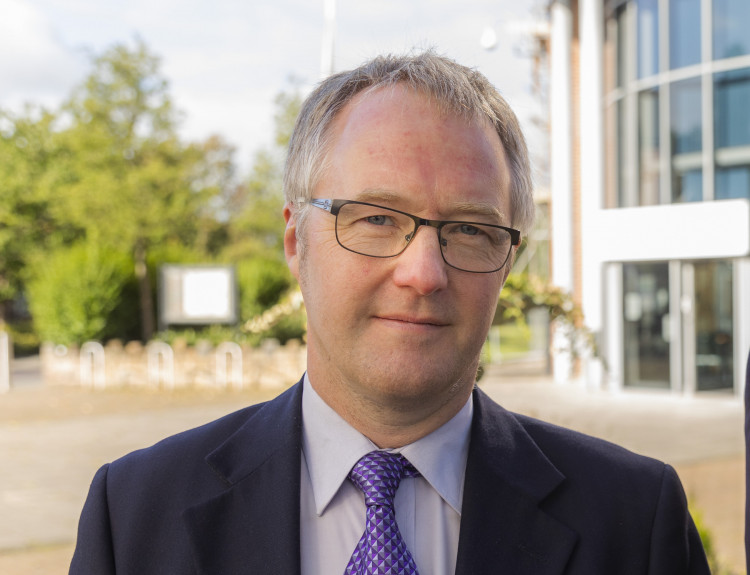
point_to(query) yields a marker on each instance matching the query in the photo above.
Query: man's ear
(290, 240)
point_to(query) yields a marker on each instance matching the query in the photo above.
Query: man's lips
(414, 320)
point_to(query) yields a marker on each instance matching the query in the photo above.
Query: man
(747, 464)
(408, 186)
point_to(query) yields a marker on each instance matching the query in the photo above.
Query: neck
(388, 421)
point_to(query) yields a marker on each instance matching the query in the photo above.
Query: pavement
(52, 440)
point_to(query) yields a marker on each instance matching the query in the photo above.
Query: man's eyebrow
(379, 195)
(478, 209)
(376, 195)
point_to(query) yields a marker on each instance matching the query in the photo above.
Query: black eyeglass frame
(334, 206)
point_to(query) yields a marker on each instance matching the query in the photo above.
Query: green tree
(76, 291)
(28, 224)
(262, 283)
(256, 228)
(127, 179)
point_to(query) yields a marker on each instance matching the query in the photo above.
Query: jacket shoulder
(183, 456)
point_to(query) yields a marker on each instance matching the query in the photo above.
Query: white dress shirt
(332, 508)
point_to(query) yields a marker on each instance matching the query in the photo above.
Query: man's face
(406, 330)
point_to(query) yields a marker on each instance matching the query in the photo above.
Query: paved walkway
(52, 440)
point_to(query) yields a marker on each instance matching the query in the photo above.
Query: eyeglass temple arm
(322, 204)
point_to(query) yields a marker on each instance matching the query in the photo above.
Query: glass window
(684, 33)
(731, 22)
(685, 116)
(687, 136)
(620, 166)
(687, 186)
(612, 162)
(620, 49)
(646, 324)
(648, 37)
(714, 325)
(732, 134)
(648, 147)
(732, 108)
(732, 183)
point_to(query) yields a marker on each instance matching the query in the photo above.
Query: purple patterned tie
(381, 550)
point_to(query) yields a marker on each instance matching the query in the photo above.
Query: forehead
(399, 140)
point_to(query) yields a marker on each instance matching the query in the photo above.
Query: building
(650, 185)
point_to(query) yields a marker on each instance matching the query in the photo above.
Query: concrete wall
(160, 365)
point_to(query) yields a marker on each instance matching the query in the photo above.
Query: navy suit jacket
(747, 464)
(538, 500)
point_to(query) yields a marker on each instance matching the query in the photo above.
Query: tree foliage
(262, 282)
(255, 241)
(108, 169)
(257, 229)
(523, 292)
(76, 291)
(28, 222)
(129, 180)
(107, 175)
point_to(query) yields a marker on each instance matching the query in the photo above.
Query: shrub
(717, 568)
(74, 291)
(262, 282)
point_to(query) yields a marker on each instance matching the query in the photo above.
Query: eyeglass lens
(381, 232)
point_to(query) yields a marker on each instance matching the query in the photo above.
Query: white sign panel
(197, 295)
(718, 229)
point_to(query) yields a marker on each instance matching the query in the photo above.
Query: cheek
(329, 272)
(483, 299)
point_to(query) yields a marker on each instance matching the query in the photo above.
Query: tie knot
(378, 475)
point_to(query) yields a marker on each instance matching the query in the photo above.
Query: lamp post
(329, 33)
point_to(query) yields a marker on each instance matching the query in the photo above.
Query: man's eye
(377, 220)
(469, 230)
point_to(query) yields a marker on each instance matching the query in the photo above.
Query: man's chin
(419, 382)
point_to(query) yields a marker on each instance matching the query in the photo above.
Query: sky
(225, 60)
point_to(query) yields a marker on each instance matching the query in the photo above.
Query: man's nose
(421, 265)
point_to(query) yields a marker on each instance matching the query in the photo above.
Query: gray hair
(454, 88)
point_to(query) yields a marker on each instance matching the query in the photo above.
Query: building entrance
(678, 325)
(708, 317)
(646, 325)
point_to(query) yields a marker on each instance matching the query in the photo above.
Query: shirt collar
(331, 448)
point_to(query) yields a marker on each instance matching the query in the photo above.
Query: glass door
(714, 327)
(646, 325)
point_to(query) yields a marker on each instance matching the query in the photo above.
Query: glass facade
(648, 147)
(620, 164)
(648, 38)
(678, 131)
(730, 28)
(646, 314)
(714, 325)
(620, 51)
(732, 133)
(684, 33)
(682, 122)
(686, 137)
(732, 108)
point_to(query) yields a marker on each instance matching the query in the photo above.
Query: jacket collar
(502, 521)
(253, 526)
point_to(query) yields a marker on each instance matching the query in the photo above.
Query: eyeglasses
(378, 232)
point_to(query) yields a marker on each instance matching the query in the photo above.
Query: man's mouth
(414, 320)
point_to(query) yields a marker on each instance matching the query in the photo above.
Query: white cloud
(34, 65)
(226, 59)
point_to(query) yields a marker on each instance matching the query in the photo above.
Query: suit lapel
(253, 526)
(503, 528)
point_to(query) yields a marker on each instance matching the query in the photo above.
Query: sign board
(197, 295)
